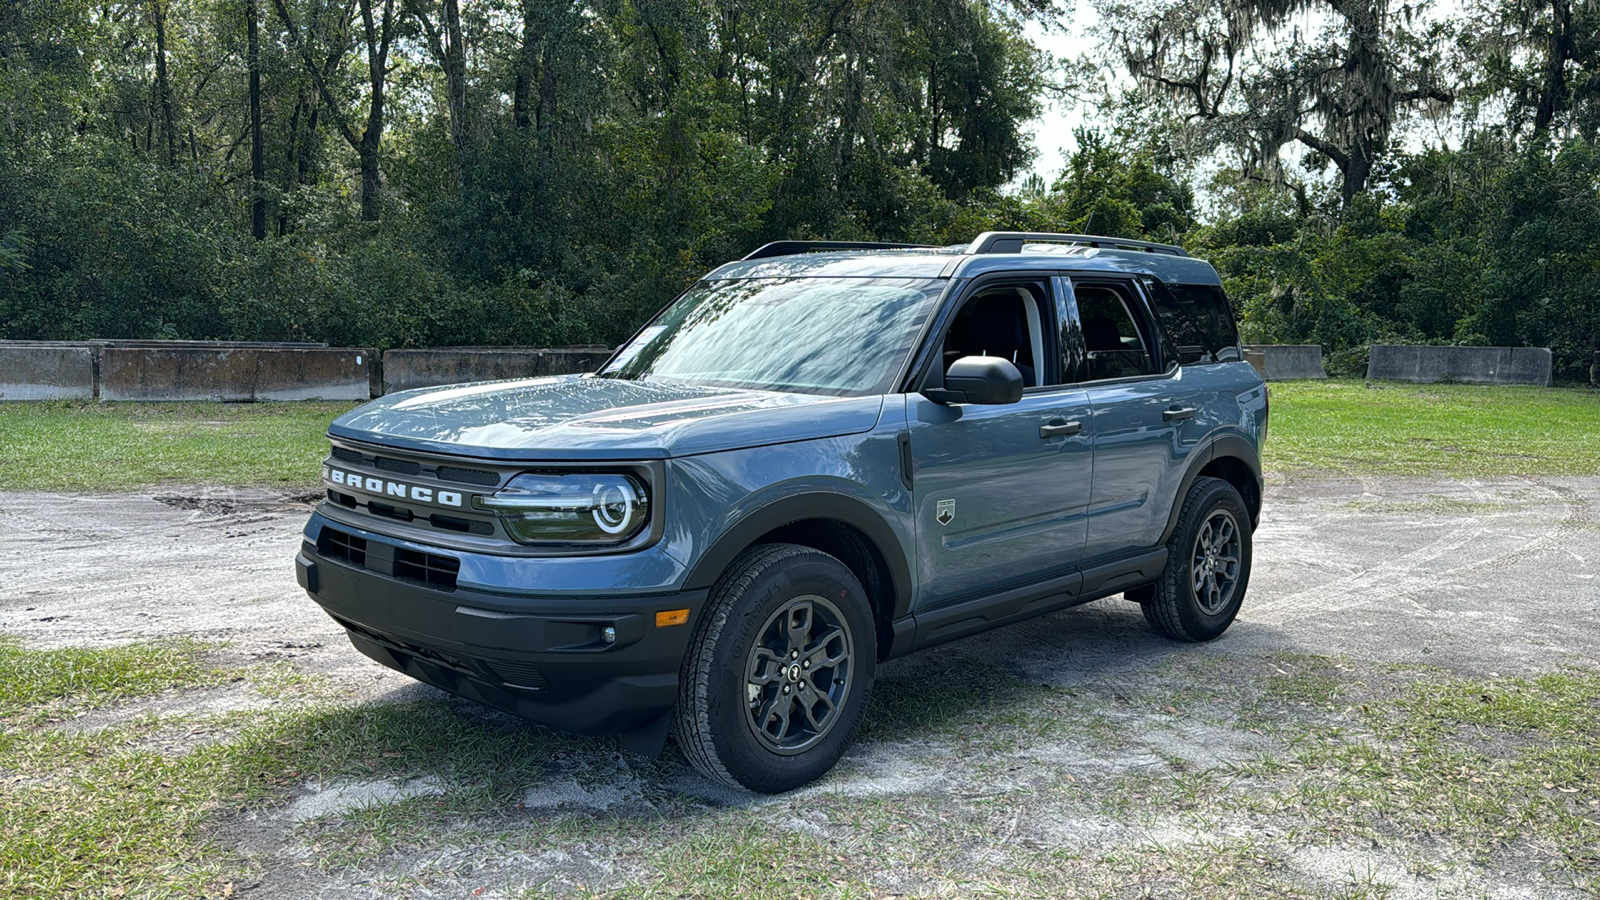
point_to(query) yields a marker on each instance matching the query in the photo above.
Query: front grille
(457, 474)
(468, 476)
(336, 544)
(518, 674)
(432, 569)
(464, 526)
(389, 512)
(400, 466)
(428, 568)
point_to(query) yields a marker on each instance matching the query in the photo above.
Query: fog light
(608, 634)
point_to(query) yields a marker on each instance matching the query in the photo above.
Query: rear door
(1001, 492)
(1143, 416)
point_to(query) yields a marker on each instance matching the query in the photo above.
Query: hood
(584, 417)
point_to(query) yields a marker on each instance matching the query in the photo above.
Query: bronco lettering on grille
(386, 488)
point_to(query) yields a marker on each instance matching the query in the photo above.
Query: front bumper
(543, 659)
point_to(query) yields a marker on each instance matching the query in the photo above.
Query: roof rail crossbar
(790, 248)
(1012, 241)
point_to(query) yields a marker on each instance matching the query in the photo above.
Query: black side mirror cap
(988, 380)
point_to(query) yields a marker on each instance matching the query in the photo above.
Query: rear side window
(1113, 344)
(1198, 321)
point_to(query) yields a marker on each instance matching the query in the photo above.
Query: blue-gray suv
(819, 457)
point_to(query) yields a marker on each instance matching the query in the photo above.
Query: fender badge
(945, 511)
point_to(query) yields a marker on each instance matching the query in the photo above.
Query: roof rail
(790, 248)
(1012, 241)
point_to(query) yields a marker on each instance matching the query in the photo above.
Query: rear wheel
(779, 670)
(1208, 565)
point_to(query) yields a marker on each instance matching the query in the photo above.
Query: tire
(1208, 565)
(749, 712)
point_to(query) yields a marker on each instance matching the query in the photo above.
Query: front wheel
(1208, 565)
(779, 670)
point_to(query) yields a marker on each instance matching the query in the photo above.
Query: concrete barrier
(233, 372)
(407, 369)
(1257, 360)
(323, 374)
(248, 371)
(1470, 365)
(45, 370)
(1290, 362)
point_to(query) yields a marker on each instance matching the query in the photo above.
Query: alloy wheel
(798, 674)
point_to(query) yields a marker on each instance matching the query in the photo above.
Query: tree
(448, 45)
(158, 15)
(1337, 90)
(1539, 64)
(378, 31)
(258, 141)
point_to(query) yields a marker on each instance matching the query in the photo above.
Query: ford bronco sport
(819, 457)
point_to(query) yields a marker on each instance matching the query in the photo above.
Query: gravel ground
(1474, 577)
(1477, 576)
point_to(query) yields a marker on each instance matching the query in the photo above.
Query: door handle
(1175, 414)
(1058, 428)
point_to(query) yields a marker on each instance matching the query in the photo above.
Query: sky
(1052, 131)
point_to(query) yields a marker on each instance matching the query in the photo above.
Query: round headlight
(613, 507)
(571, 508)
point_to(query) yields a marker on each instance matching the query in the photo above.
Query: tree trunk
(1357, 169)
(371, 187)
(163, 86)
(258, 148)
(455, 75)
(377, 71)
(527, 68)
(379, 37)
(1553, 90)
(547, 93)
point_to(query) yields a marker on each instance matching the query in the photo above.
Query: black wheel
(1208, 565)
(779, 669)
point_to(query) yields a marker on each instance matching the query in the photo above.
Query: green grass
(100, 814)
(75, 678)
(1353, 428)
(1381, 757)
(1487, 764)
(126, 446)
(1334, 428)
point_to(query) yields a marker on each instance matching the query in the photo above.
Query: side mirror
(979, 379)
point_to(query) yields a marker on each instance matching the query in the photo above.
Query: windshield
(844, 336)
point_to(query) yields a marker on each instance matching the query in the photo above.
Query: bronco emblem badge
(945, 511)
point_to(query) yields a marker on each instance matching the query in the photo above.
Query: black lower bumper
(588, 666)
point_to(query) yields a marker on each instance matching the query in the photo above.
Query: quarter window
(1198, 320)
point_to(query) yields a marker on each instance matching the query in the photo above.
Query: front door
(1001, 492)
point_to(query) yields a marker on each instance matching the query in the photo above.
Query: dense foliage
(393, 172)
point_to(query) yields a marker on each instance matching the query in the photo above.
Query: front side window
(1007, 322)
(838, 336)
